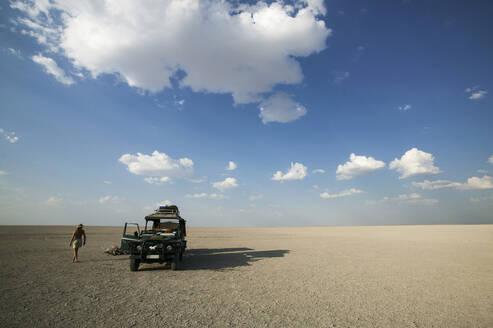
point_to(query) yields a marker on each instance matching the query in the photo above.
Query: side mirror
(136, 234)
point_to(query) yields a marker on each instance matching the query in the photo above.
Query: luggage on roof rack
(169, 209)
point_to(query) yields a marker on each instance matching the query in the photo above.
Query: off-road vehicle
(162, 240)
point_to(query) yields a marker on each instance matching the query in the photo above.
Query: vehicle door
(131, 233)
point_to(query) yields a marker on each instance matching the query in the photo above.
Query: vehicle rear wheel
(134, 264)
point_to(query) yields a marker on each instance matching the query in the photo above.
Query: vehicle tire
(174, 262)
(134, 264)
(181, 256)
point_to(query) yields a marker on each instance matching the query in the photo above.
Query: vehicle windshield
(165, 226)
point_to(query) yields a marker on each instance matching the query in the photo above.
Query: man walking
(77, 242)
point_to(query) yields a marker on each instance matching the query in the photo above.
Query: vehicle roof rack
(165, 212)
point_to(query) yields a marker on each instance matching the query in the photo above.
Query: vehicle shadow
(226, 258)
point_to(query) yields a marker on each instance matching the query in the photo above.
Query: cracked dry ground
(388, 276)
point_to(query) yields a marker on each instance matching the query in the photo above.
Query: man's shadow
(221, 258)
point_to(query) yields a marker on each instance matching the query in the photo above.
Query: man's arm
(84, 234)
(72, 239)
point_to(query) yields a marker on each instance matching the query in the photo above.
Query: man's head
(79, 226)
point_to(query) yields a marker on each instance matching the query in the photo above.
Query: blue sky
(332, 113)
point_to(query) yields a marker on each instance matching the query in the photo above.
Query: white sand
(388, 276)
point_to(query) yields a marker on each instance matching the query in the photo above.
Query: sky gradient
(246, 113)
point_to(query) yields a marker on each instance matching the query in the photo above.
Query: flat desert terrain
(385, 276)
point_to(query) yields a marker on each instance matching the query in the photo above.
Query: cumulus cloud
(3, 172)
(296, 172)
(343, 193)
(109, 199)
(476, 183)
(9, 136)
(358, 165)
(107, 182)
(280, 108)
(405, 107)
(414, 162)
(473, 183)
(157, 165)
(52, 68)
(490, 160)
(243, 49)
(231, 166)
(206, 196)
(318, 171)
(157, 180)
(165, 202)
(410, 199)
(476, 93)
(227, 183)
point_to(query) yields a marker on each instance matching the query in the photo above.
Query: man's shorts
(77, 243)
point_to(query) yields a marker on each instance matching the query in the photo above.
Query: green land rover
(162, 240)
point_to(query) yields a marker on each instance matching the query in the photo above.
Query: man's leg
(76, 252)
(75, 255)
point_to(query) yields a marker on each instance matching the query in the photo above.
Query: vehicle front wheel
(134, 264)
(174, 262)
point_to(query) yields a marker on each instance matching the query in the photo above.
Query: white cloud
(296, 172)
(476, 93)
(242, 49)
(3, 172)
(9, 136)
(344, 193)
(410, 199)
(231, 166)
(482, 171)
(437, 184)
(206, 196)
(15, 52)
(157, 165)
(256, 197)
(198, 180)
(414, 162)
(473, 183)
(405, 107)
(107, 182)
(490, 160)
(157, 180)
(479, 199)
(53, 201)
(358, 165)
(201, 195)
(340, 76)
(227, 183)
(109, 199)
(51, 67)
(318, 171)
(217, 196)
(280, 108)
(163, 203)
